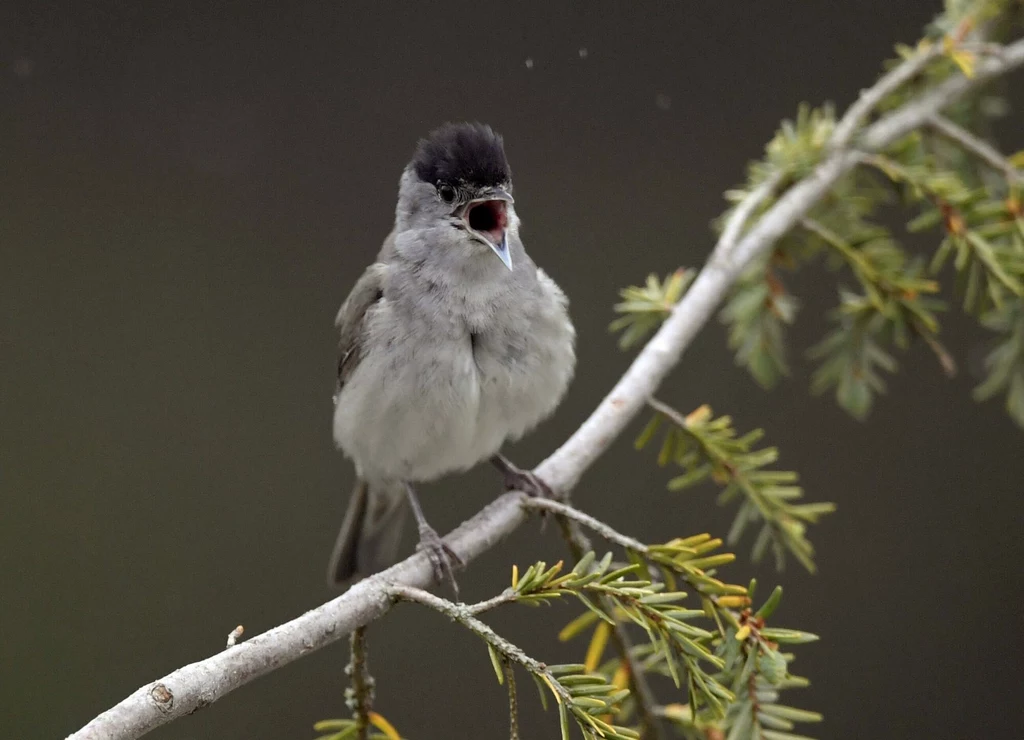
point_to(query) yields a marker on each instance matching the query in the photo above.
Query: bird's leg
(444, 560)
(517, 479)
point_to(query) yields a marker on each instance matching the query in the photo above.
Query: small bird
(452, 343)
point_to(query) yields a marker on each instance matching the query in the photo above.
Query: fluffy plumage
(446, 354)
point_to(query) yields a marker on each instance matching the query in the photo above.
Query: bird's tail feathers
(370, 533)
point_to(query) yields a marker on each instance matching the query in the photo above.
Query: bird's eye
(447, 192)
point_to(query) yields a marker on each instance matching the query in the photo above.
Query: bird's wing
(387, 249)
(367, 291)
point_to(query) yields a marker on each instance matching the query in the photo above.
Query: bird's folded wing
(367, 291)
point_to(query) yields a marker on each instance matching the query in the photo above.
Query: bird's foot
(527, 482)
(443, 559)
(515, 478)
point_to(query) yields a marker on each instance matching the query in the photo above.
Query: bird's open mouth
(489, 219)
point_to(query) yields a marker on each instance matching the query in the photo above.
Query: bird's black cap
(462, 154)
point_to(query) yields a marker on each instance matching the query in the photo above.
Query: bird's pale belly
(445, 412)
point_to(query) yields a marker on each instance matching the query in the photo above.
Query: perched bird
(452, 343)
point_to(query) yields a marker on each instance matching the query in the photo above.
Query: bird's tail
(370, 533)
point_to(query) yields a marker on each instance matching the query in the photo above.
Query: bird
(451, 344)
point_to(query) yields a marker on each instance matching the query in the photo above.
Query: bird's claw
(530, 484)
(443, 559)
(516, 479)
(527, 482)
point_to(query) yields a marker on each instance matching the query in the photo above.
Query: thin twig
(889, 83)
(574, 535)
(461, 613)
(977, 146)
(359, 696)
(674, 416)
(946, 361)
(870, 274)
(742, 213)
(198, 684)
(569, 520)
(916, 113)
(505, 597)
(594, 525)
(855, 258)
(513, 701)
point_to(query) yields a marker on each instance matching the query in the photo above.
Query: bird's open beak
(486, 218)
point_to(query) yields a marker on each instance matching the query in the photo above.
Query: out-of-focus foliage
(1005, 363)
(644, 308)
(941, 177)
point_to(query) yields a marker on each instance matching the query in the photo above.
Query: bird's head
(459, 186)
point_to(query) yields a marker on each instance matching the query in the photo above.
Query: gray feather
(367, 291)
(446, 354)
(371, 532)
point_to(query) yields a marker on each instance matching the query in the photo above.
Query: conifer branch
(579, 695)
(871, 98)
(976, 146)
(199, 684)
(359, 697)
(746, 208)
(569, 520)
(594, 525)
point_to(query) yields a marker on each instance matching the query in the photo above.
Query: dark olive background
(186, 196)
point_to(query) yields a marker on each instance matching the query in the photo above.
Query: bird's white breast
(424, 402)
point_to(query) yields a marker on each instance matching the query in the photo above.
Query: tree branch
(889, 83)
(734, 225)
(360, 695)
(569, 520)
(513, 701)
(196, 685)
(594, 525)
(977, 146)
(463, 615)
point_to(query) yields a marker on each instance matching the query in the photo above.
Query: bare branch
(916, 113)
(196, 685)
(513, 701)
(977, 146)
(360, 695)
(889, 83)
(743, 212)
(464, 616)
(505, 597)
(595, 525)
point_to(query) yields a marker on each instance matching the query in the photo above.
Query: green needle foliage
(706, 639)
(756, 672)
(757, 313)
(707, 447)
(1005, 363)
(941, 180)
(644, 308)
(658, 611)
(731, 665)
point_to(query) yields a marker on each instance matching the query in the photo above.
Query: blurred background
(187, 193)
